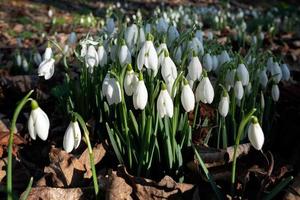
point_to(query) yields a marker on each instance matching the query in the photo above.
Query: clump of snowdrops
(140, 81)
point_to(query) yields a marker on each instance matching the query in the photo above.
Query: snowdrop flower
(172, 34)
(196, 45)
(276, 72)
(229, 79)
(72, 137)
(194, 68)
(130, 81)
(187, 97)
(215, 62)
(205, 91)
(168, 69)
(148, 28)
(199, 35)
(207, 62)
(46, 68)
(275, 92)
(224, 104)
(210, 35)
(243, 74)
(162, 25)
(248, 89)
(48, 53)
(255, 134)
(83, 49)
(223, 58)
(142, 37)
(164, 103)
(72, 38)
(110, 25)
(124, 54)
(161, 53)
(25, 64)
(91, 58)
(148, 56)
(18, 59)
(66, 49)
(102, 56)
(131, 36)
(285, 72)
(37, 58)
(238, 90)
(111, 90)
(140, 95)
(270, 64)
(50, 13)
(38, 122)
(113, 52)
(263, 78)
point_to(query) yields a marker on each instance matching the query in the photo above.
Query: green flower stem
(237, 142)
(90, 150)
(10, 144)
(195, 114)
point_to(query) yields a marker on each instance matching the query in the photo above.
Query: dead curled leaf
(66, 170)
(121, 185)
(45, 193)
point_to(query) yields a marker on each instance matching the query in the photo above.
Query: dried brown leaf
(46, 193)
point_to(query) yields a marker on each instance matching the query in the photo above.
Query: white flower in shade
(196, 45)
(124, 55)
(223, 58)
(275, 92)
(276, 72)
(256, 135)
(38, 122)
(285, 72)
(191, 82)
(111, 90)
(113, 52)
(102, 56)
(224, 105)
(46, 68)
(130, 81)
(210, 35)
(170, 84)
(37, 58)
(91, 58)
(199, 35)
(72, 137)
(50, 13)
(72, 38)
(19, 59)
(229, 79)
(161, 53)
(66, 49)
(164, 103)
(25, 64)
(187, 97)
(205, 91)
(178, 54)
(148, 56)
(248, 89)
(194, 68)
(270, 64)
(207, 62)
(162, 25)
(148, 28)
(215, 62)
(110, 25)
(168, 68)
(140, 95)
(131, 36)
(172, 34)
(238, 90)
(142, 37)
(263, 78)
(48, 53)
(243, 74)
